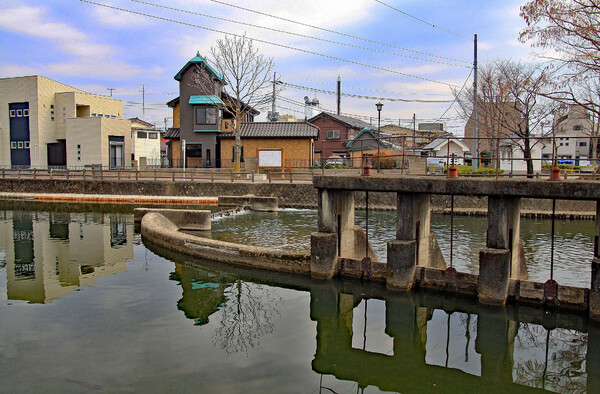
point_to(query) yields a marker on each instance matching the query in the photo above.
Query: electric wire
(269, 43)
(423, 21)
(457, 94)
(363, 96)
(336, 32)
(298, 34)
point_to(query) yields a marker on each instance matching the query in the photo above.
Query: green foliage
(562, 167)
(480, 171)
(485, 157)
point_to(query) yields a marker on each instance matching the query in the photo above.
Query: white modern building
(513, 161)
(47, 123)
(571, 133)
(146, 142)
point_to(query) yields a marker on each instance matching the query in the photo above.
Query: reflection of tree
(561, 368)
(246, 316)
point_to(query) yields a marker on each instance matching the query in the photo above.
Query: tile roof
(347, 120)
(172, 134)
(276, 130)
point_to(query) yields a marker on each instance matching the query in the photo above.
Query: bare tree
(571, 28)
(509, 105)
(246, 75)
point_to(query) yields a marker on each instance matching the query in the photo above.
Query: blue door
(19, 134)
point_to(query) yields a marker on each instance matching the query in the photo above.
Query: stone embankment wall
(290, 195)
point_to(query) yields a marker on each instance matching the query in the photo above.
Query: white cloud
(87, 49)
(12, 70)
(28, 20)
(96, 68)
(119, 19)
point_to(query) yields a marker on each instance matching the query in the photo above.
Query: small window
(93, 115)
(583, 144)
(206, 115)
(13, 145)
(26, 144)
(13, 113)
(142, 134)
(333, 134)
(19, 113)
(25, 112)
(20, 144)
(566, 144)
(153, 136)
(113, 117)
(578, 127)
(51, 106)
(78, 146)
(106, 116)
(52, 118)
(561, 144)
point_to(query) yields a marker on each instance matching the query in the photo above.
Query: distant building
(146, 142)
(451, 149)
(365, 148)
(512, 158)
(45, 123)
(289, 118)
(495, 123)
(334, 132)
(572, 130)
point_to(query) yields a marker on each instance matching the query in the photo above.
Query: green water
(86, 306)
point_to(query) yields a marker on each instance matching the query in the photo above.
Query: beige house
(573, 128)
(38, 114)
(146, 143)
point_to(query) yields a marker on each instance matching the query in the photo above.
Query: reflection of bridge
(407, 319)
(413, 257)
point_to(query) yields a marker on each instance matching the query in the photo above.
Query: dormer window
(206, 115)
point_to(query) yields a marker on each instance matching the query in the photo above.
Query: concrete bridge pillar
(501, 258)
(595, 288)
(336, 232)
(412, 244)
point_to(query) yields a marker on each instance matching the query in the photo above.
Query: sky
(391, 51)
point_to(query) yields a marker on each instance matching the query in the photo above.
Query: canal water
(87, 306)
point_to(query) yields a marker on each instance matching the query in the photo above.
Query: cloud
(28, 20)
(87, 49)
(13, 70)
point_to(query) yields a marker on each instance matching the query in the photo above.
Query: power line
(362, 96)
(336, 32)
(269, 43)
(297, 34)
(359, 88)
(458, 94)
(423, 21)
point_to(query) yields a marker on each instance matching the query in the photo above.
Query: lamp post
(379, 106)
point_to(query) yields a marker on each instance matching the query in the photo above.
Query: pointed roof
(198, 60)
(442, 141)
(371, 138)
(345, 120)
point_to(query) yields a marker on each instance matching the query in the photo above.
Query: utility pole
(111, 90)
(339, 95)
(414, 131)
(475, 154)
(143, 91)
(273, 116)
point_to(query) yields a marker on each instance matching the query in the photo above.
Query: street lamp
(379, 106)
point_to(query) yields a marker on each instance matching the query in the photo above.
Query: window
(13, 113)
(19, 113)
(153, 136)
(333, 134)
(207, 158)
(206, 115)
(20, 144)
(106, 116)
(578, 127)
(93, 115)
(142, 134)
(26, 144)
(13, 145)
(25, 112)
(583, 144)
(566, 144)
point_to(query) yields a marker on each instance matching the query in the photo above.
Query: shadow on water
(415, 342)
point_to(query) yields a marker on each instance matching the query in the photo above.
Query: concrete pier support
(595, 287)
(412, 245)
(500, 260)
(336, 232)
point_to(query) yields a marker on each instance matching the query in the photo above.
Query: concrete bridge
(413, 257)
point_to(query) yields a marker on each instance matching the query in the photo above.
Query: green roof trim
(197, 60)
(207, 131)
(210, 99)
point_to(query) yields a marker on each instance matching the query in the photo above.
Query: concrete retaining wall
(290, 195)
(161, 231)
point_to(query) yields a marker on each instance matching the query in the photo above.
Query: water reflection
(370, 338)
(48, 255)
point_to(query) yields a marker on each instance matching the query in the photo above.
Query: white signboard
(269, 158)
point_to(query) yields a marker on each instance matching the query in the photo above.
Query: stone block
(493, 283)
(323, 255)
(402, 257)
